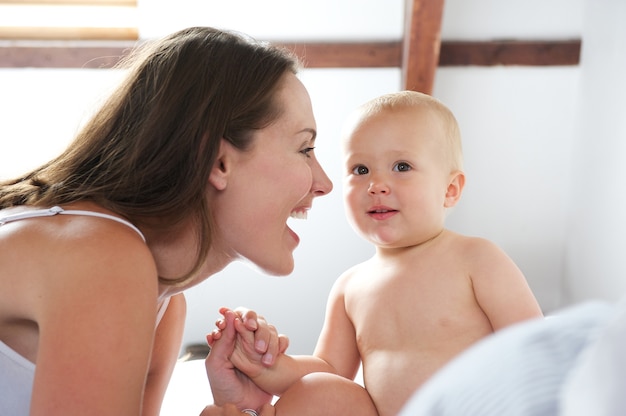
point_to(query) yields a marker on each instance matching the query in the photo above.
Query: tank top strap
(58, 210)
(162, 308)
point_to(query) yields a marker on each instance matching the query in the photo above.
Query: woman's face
(262, 187)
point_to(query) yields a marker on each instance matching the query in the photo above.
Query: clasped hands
(232, 389)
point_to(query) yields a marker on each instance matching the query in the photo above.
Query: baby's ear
(222, 166)
(455, 189)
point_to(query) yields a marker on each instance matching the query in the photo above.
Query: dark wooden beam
(527, 53)
(347, 54)
(75, 55)
(422, 42)
(314, 55)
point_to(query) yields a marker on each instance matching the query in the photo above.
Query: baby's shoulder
(353, 275)
(358, 269)
(471, 245)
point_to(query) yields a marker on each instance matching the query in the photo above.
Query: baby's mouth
(380, 211)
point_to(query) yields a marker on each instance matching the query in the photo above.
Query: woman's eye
(402, 167)
(360, 170)
(306, 151)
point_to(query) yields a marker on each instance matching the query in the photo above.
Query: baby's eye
(401, 167)
(360, 170)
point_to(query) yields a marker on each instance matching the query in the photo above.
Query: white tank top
(16, 372)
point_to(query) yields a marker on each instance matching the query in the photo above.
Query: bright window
(68, 20)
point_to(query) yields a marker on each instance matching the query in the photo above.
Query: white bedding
(597, 384)
(570, 365)
(189, 391)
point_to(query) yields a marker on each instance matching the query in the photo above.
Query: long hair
(148, 152)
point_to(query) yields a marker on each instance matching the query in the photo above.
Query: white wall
(279, 19)
(596, 241)
(41, 109)
(519, 126)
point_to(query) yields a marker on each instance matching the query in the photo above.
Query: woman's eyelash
(307, 150)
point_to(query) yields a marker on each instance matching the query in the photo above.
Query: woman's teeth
(300, 215)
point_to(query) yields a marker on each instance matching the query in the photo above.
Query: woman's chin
(273, 268)
(279, 270)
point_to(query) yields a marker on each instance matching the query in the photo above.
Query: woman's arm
(96, 311)
(167, 342)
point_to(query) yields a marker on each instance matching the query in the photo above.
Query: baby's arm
(500, 287)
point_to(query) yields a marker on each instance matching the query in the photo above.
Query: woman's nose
(322, 184)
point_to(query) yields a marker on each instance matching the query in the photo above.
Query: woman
(197, 160)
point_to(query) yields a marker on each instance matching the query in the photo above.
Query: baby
(427, 293)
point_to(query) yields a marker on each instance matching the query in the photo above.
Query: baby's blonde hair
(408, 99)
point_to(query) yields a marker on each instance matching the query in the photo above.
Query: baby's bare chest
(421, 310)
(408, 325)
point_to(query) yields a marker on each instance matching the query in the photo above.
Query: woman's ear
(222, 166)
(455, 189)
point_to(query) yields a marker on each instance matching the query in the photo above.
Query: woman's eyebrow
(309, 130)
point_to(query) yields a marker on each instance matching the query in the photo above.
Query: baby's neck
(391, 252)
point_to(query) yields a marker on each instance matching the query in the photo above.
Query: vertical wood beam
(421, 45)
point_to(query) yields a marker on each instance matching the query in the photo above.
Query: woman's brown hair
(147, 153)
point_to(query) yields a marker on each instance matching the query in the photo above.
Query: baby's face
(396, 176)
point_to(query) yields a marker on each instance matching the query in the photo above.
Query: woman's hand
(231, 410)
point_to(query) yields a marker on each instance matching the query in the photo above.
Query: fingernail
(267, 359)
(260, 346)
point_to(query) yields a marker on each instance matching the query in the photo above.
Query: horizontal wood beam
(313, 54)
(527, 53)
(66, 56)
(347, 55)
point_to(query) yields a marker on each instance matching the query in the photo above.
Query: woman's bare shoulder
(47, 259)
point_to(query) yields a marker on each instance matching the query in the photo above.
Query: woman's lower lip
(294, 235)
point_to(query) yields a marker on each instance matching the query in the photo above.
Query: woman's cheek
(304, 181)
